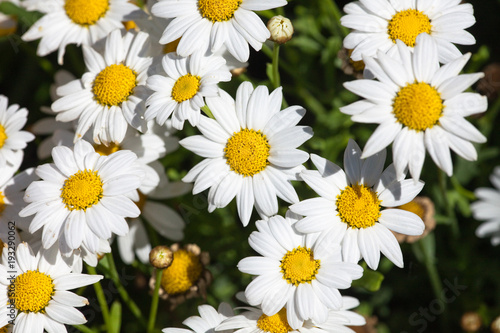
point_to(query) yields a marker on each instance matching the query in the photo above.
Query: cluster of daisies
(150, 69)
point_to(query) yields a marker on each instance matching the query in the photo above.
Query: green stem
(83, 328)
(207, 111)
(136, 311)
(463, 191)
(430, 265)
(100, 297)
(449, 209)
(276, 73)
(154, 302)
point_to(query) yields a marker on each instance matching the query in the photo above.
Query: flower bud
(495, 325)
(471, 322)
(281, 29)
(161, 257)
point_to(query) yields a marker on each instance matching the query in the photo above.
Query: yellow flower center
(358, 206)
(413, 207)
(185, 270)
(142, 200)
(185, 88)
(299, 266)
(406, 25)
(86, 12)
(218, 10)
(418, 106)
(3, 136)
(114, 84)
(104, 150)
(33, 291)
(8, 26)
(129, 25)
(171, 47)
(247, 151)
(82, 190)
(4, 329)
(358, 66)
(2, 202)
(276, 323)
(1, 249)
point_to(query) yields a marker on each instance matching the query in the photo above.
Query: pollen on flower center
(82, 190)
(86, 12)
(114, 84)
(33, 291)
(406, 25)
(299, 266)
(3, 136)
(276, 323)
(418, 106)
(247, 151)
(185, 87)
(358, 206)
(104, 150)
(2, 202)
(218, 10)
(185, 270)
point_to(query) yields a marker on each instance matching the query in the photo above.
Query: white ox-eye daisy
(377, 25)
(83, 197)
(487, 209)
(207, 321)
(418, 105)
(209, 24)
(180, 94)
(250, 151)
(12, 139)
(81, 22)
(349, 209)
(41, 299)
(301, 272)
(111, 95)
(255, 321)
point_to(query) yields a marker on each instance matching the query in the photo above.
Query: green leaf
(115, 317)
(371, 280)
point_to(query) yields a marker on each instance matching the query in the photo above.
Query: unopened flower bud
(281, 29)
(161, 257)
(471, 322)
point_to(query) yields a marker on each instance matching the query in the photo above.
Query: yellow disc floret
(33, 291)
(299, 266)
(185, 87)
(358, 206)
(276, 323)
(218, 10)
(184, 272)
(413, 207)
(4, 329)
(114, 84)
(82, 190)
(171, 47)
(2, 202)
(418, 106)
(406, 25)
(3, 136)
(247, 151)
(104, 150)
(86, 12)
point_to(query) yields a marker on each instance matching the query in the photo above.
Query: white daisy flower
(301, 272)
(12, 139)
(256, 321)
(111, 95)
(207, 321)
(349, 209)
(249, 150)
(377, 25)
(486, 209)
(81, 22)
(41, 299)
(418, 105)
(203, 24)
(165, 220)
(83, 197)
(180, 94)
